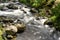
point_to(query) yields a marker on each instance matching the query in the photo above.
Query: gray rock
(12, 6)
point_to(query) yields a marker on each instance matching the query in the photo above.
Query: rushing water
(35, 29)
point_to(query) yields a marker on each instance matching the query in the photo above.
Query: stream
(35, 29)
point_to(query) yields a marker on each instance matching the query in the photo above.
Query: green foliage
(55, 18)
(38, 3)
(56, 10)
(41, 5)
(1, 32)
(1, 38)
(23, 1)
(1, 29)
(42, 12)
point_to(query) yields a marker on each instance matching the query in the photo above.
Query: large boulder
(11, 28)
(11, 31)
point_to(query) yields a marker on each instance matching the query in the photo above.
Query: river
(35, 31)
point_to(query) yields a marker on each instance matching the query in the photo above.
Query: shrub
(37, 3)
(56, 19)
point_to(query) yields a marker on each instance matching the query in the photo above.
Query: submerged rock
(12, 6)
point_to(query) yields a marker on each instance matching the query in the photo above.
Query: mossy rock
(10, 32)
(1, 29)
(1, 32)
(20, 27)
(1, 38)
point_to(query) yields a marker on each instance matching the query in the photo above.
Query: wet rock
(10, 29)
(5, 4)
(20, 27)
(1, 7)
(5, 20)
(33, 10)
(10, 32)
(4, 9)
(25, 9)
(50, 23)
(11, 37)
(37, 18)
(12, 6)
